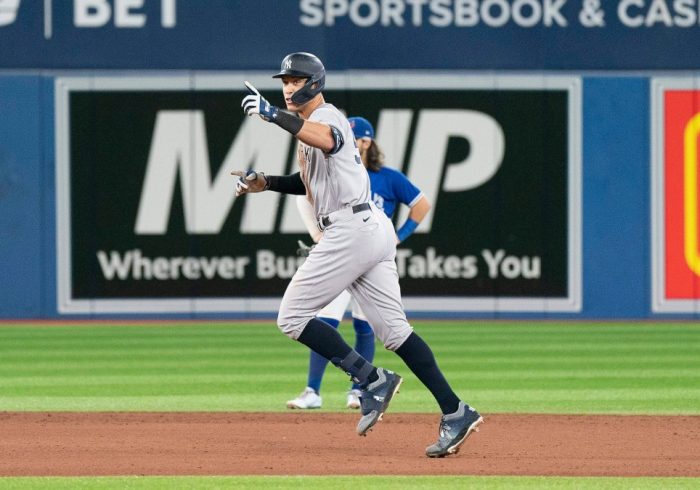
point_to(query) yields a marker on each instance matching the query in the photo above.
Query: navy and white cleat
(375, 399)
(455, 428)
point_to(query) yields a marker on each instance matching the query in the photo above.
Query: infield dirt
(303, 443)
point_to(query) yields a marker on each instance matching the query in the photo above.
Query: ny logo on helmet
(288, 64)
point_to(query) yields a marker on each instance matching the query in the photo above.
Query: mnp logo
(676, 196)
(148, 220)
(8, 12)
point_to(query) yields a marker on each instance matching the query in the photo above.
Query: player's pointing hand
(250, 181)
(254, 103)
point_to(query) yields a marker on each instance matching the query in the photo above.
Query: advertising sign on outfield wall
(676, 213)
(148, 221)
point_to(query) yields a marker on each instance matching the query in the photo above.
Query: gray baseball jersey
(357, 249)
(333, 181)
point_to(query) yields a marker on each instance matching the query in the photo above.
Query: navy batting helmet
(304, 65)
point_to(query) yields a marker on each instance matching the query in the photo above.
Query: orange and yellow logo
(681, 161)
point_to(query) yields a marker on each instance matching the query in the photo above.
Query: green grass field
(349, 482)
(535, 367)
(499, 367)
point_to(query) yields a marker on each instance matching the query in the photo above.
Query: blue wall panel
(48, 200)
(616, 226)
(22, 234)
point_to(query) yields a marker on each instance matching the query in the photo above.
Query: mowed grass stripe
(626, 378)
(498, 366)
(523, 368)
(485, 329)
(199, 386)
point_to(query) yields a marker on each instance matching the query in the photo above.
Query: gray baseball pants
(356, 253)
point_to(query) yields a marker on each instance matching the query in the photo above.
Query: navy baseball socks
(459, 420)
(378, 385)
(364, 342)
(317, 363)
(420, 359)
(327, 341)
(364, 345)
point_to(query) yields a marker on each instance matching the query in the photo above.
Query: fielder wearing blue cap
(361, 127)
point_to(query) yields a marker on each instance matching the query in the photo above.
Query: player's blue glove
(254, 103)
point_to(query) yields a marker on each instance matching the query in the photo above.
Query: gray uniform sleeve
(330, 117)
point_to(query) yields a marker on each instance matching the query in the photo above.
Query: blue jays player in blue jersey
(389, 188)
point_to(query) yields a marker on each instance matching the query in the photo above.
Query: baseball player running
(389, 187)
(356, 252)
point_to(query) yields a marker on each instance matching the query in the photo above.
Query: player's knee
(287, 325)
(290, 325)
(393, 339)
(289, 329)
